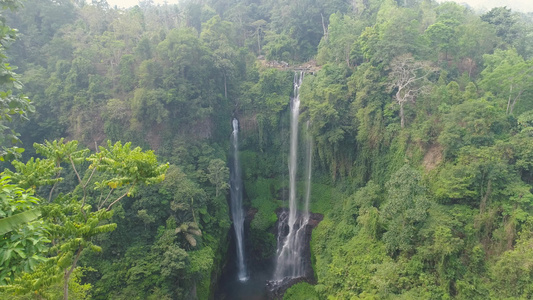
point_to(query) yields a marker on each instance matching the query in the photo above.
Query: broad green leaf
(10, 223)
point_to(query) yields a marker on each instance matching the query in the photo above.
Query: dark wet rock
(283, 194)
(277, 288)
(250, 214)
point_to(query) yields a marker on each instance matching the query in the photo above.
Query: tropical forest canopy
(115, 143)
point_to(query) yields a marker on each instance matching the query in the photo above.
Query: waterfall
(290, 261)
(308, 168)
(237, 212)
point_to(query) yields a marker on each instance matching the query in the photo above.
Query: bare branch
(75, 170)
(409, 78)
(54, 186)
(105, 200)
(80, 181)
(120, 198)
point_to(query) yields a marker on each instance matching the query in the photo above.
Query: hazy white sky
(130, 3)
(516, 5)
(522, 5)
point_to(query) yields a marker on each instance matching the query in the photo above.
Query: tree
(259, 32)
(337, 45)
(523, 145)
(77, 216)
(189, 230)
(409, 78)
(303, 23)
(39, 21)
(218, 35)
(474, 39)
(506, 72)
(23, 236)
(280, 46)
(18, 207)
(12, 101)
(187, 65)
(406, 209)
(511, 274)
(328, 106)
(396, 32)
(504, 21)
(442, 35)
(218, 174)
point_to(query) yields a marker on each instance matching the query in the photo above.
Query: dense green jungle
(115, 146)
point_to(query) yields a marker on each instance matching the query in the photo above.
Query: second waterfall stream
(237, 212)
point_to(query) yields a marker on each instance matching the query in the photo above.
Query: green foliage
(339, 44)
(302, 290)
(476, 122)
(10, 223)
(280, 47)
(12, 102)
(328, 102)
(72, 224)
(23, 235)
(345, 267)
(517, 265)
(218, 174)
(507, 75)
(263, 197)
(202, 264)
(324, 197)
(405, 209)
(34, 173)
(504, 22)
(300, 24)
(127, 166)
(434, 210)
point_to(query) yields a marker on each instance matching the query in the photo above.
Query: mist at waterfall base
(231, 288)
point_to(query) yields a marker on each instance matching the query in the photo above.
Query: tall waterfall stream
(237, 212)
(294, 230)
(289, 259)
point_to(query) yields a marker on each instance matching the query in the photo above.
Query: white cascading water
(308, 168)
(237, 212)
(290, 261)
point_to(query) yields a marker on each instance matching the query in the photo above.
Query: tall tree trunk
(402, 116)
(259, 41)
(54, 186)
(65, 287)
(485, 198)
(347, 54)
(514, 102)
(324, 27)
(509, 101)
(68, 272)
(225, 86)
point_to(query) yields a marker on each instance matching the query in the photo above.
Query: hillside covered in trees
(116, 180)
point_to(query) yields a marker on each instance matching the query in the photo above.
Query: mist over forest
(265, 149)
